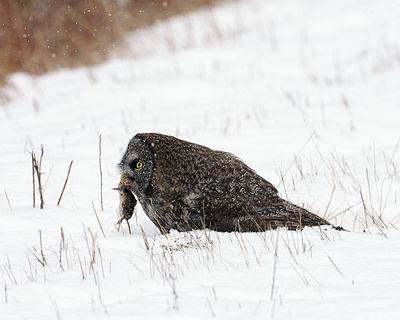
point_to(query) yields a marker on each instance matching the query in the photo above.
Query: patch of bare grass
(38, 36)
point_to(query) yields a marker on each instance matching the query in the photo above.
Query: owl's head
(137, 165)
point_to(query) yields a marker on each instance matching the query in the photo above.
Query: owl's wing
(227, 155)
(239, 212)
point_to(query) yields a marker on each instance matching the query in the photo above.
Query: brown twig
(65, 183)
(144, 236)
(39, 174)
(37, 168)
(41, 156)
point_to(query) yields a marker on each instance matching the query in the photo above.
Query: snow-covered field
(305, 92)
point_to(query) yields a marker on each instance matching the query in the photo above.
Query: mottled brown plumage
(185, 186)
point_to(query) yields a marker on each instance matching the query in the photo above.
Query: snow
(304, 90)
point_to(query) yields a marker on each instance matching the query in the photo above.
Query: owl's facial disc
(136, 166)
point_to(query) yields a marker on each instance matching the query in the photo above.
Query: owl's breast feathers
(193, 187)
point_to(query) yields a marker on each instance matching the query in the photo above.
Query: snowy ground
(305, 92)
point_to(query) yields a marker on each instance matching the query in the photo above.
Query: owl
(185, 186)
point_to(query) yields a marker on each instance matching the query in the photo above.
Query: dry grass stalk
(41, 249)
(37, 174)
(98, 220)
(145, 240)
(8, 200)
(336, 267)
(33, 180)
(101, 176)
(65, 184)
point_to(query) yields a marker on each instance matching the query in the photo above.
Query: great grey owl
(186, 186)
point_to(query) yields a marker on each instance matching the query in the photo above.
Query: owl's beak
(127, 182)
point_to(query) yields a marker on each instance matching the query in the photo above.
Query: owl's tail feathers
(302, 217)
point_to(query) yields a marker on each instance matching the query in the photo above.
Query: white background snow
(305, 92)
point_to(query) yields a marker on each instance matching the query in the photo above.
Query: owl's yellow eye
(139, 165)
